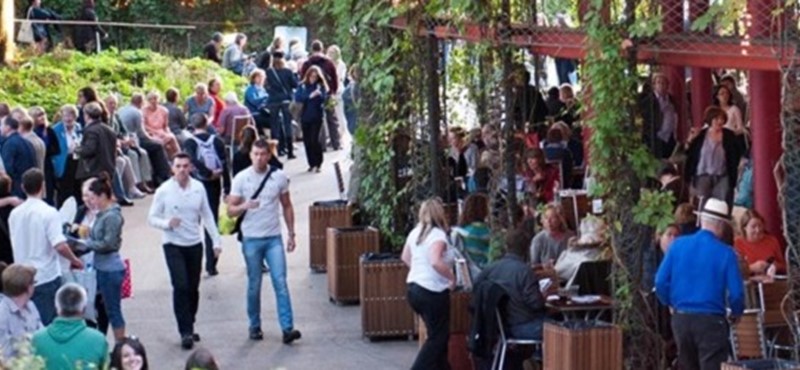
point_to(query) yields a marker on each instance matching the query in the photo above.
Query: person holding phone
(312, 93)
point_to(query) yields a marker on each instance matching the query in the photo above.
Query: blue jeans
(109, 285)
(44, 297)
(529, 330)
(268, 249)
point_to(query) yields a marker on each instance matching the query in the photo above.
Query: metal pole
(434, 114)
(509, 158)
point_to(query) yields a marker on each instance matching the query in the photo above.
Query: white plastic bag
(87, 278)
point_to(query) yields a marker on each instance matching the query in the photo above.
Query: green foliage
(654, 209)
(55, 78)
(723, 14)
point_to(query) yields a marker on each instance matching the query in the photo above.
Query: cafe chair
(747, 336)
(504, 341)
(771, 300)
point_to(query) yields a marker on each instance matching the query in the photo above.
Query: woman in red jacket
(757, 247)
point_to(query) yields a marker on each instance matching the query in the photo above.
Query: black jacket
(487, 296)
(84, 37)
(734, 149)
(280, 84)
(525, 301)
(97, 152)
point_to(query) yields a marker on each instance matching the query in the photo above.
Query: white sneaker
(135, 193)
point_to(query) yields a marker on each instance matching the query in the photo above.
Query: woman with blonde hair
(312, 93)
(548, 244)
(156, 123)
(341, 72)
(430, 280)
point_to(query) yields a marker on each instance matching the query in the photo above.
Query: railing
(158, 37)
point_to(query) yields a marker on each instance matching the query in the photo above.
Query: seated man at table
(524, 310)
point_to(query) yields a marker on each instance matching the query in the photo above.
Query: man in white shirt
(261, 234)
(37, 239)
(180, 208)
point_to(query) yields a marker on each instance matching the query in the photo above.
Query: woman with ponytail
(105, 240)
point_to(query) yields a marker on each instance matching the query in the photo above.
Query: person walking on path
(330, 74)
(179, 208)
(207, 152)
(257, 194)
(37, 239)
(312, 93)
(698, 276)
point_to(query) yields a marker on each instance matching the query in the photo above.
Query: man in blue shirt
(17, 153)
(698, 275)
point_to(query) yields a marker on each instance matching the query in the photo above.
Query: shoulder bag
(25, 34)
(237, 228)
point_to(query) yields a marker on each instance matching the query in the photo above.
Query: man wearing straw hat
(697, 275)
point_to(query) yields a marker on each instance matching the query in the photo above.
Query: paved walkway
(331, 334)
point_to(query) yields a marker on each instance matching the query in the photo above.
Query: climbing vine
(623, 167)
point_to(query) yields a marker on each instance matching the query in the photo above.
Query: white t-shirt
(422, 272)
(36, 230)
(264, 221)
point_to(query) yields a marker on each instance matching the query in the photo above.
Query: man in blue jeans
(257, 195)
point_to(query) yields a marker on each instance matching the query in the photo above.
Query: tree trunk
(6, 31)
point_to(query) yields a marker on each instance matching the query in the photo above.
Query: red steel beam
(557, 42)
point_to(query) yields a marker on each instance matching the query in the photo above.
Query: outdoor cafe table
(574, 311)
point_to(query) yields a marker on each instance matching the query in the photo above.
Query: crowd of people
(706, 174)
(64, 281)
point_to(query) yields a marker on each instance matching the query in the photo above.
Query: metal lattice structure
(756, 35)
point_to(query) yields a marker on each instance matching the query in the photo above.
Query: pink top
(156, 121)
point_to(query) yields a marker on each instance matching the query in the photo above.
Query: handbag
(25, 34)
(237, 228)
(296, 110)
(126, 290)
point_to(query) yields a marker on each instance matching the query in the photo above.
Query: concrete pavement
(331, 334)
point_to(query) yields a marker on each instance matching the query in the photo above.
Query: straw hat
(716, 209)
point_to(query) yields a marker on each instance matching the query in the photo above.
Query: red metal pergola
(760, 51)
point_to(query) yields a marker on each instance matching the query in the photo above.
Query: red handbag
(127, 286)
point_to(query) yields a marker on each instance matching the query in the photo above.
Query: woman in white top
(724, 99)
(430, 279)
(341, 72)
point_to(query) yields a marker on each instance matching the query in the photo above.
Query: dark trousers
(263, 124)
(158, 160)
(184, 265)
(67, 186)
(333, 128)
(434, 308)
(281, 126)
(312, 143)
(44, 297)
(214, 194)
(702, 340)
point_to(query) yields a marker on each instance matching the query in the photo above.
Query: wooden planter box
(345, 247)
(460, 320)
(582, 345)
(384, 308)
(761, 365)
(323, 215)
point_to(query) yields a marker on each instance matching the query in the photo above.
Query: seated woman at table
(548, 244)
(757, 247)
(541, 179)
(472, 236)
